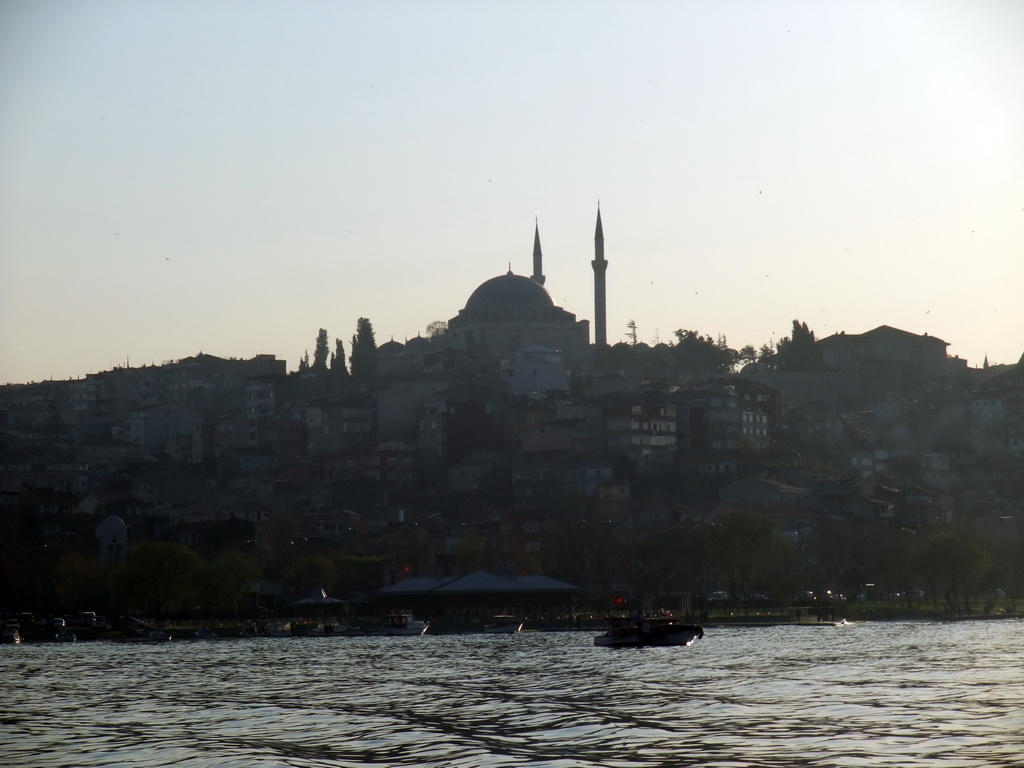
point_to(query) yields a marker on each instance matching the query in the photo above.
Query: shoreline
(188, 631)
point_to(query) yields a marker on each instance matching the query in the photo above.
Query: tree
(701, 355)
(338, 367)
(587, 551)
(436, 328)
(661, 567)
(894, 551)
(304, 362)
(320, 352)
(797, 352)
(955, 562)
(470, 552)
(746, 549)
(364, 351)
(1008, 555)
(411, 549)
(746, 357)
(344, 567)
(159, 576)
(76, 576)
(225, 583)
(307, 573)
(631, 332)
(756, 360)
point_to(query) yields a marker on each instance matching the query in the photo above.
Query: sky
(230, 177)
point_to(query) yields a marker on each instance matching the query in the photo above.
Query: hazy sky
(230, 177)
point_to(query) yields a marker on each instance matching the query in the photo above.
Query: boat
(319, 629)
(11, 635)
(146, 636)
(671, 632)
(66, 636)
(620, 637)
(650, 632)
(205, 633)
(504, 624)
(277, 628)
(404, 624)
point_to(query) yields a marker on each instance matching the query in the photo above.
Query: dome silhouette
(508, 291)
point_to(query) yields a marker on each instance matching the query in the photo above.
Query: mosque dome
(512, 312)
(111, 525)
(508, 291)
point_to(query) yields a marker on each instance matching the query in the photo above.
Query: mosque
(511, 312)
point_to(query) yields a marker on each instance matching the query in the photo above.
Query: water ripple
(936, 695)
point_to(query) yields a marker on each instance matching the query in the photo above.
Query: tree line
(692, 353)
(362, 364)
(696, 354)
(951, 569)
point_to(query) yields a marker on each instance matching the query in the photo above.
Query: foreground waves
(887, 694)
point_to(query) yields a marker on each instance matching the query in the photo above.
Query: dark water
(899, 694)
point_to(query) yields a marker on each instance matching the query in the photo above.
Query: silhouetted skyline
(230, 177)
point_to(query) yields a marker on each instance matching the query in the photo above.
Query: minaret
(599, 265)
(538, 272)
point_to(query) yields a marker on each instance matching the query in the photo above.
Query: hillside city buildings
(514, 436)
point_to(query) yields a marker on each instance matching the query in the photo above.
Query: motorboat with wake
(650, 632)
(11, 635)
(404, 624)
(504, 624)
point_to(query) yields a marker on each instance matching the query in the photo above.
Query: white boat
(404, 624)
(504, 624)
(652, 632)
